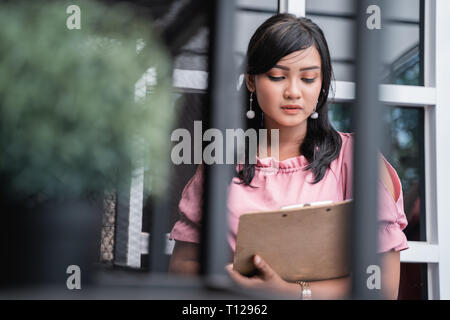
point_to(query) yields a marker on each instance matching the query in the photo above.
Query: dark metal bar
(223, 113)
(121, 223)
(367, 123)
(158, 260)
(180, 23)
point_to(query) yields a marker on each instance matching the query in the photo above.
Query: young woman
(288, 78)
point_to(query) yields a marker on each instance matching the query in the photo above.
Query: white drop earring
(315, 115)
(251, 113)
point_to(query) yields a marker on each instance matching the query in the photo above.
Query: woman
(288, 79)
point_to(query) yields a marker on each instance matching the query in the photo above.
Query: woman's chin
(293, 122)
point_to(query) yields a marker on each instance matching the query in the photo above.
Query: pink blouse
(289, 185)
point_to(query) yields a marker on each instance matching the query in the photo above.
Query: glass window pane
(247, 22)
(340, 116)
(271, 5)
(403, 147)
(402, 58)
(249, 16)
(337, 20)
(339, 7)
(413, 281)
(403, 54)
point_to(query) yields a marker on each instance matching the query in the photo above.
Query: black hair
(277, 37)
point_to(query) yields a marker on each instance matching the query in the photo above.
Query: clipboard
(308, 243)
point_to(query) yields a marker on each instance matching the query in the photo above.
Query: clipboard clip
(308, 204)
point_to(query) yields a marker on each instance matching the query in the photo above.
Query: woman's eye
(309, 80)
(275, 78)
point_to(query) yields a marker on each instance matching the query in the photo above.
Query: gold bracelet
(306, 290)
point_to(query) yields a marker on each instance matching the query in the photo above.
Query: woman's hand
(267, 278)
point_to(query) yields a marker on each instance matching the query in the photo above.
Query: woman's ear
(250, 82)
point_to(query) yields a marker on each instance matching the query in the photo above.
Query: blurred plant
(69, 119)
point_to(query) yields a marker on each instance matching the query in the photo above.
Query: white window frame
(434, 98)
(297, 7)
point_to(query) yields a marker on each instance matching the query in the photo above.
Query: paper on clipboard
(308, 243)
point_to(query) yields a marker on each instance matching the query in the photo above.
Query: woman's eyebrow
(302, 69)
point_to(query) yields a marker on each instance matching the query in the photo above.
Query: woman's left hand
(266, 279)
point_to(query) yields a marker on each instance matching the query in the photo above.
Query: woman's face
(288, 93)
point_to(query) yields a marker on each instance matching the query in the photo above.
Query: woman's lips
(291, 108)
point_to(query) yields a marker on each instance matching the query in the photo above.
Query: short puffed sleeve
(187, 228)
(391, 215)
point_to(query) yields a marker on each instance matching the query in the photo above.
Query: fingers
(240, 279)
(236, 276)
(263, 267)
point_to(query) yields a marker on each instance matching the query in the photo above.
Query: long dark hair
(277, 37)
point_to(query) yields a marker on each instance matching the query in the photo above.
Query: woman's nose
(293, 91)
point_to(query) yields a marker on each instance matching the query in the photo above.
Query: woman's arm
(331, 289)
(390, 274)
(341, 288)
(335, 289)
(185, 258)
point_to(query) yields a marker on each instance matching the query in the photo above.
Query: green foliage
(69, 120)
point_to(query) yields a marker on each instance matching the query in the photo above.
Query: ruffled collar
(298, 162)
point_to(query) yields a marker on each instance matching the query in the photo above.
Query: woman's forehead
(302, 58)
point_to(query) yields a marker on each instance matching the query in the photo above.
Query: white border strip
(297, 7)
(145, 240)
(344, 91)
(413, 96)
(430, 145)
(442, 143)
(407, 95)
(420, 252)
(135, 218)
(190, 79)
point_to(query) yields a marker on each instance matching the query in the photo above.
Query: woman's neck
(290, 139)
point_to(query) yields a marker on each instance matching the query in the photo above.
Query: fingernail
(257, 259)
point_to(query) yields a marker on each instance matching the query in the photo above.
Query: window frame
(432, 97)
